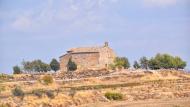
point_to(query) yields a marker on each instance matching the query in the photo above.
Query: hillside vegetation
(81, 90)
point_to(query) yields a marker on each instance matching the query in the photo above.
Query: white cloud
(67, 13)
(159, 3)
(34, 19)
(22, 23)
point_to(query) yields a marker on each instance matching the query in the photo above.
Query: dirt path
(184, 102)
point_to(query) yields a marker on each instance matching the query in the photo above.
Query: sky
(46, 29)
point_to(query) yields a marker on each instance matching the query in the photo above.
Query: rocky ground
(165, 88)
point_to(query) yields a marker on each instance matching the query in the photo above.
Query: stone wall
(86, 60)
(107, 56)
(89, 57)
(64, 61)
(83, 60)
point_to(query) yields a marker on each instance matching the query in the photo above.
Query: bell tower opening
(106, 44)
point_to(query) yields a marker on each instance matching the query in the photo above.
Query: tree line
(36, 66)
(159, 61)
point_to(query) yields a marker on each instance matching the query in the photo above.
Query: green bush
(50, 94)
(54, 64)
(38, 92)
(111, 66)
(71, 66)
(143, 62)
(16, 70)
(120, 62)
(18, 92)
(47, 79)
(136, 65)
(113, 96)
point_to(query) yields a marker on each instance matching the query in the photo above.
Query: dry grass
(133, 86)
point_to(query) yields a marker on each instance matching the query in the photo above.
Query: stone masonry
(88, 57)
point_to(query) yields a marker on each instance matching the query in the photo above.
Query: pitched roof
(95, 49)
(85, 49)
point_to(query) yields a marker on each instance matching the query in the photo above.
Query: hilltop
(170, 88)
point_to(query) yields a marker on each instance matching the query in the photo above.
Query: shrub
(38, 92)
(120, 62)
(47, 79)
(16, 70)
(5, 105)
(111, 66)
(54, 64)
(2, 88)
(136, 65)
(5, 77)
(71, 66)
(144, 62)
(113, 96)
(18, 92)
(50, 94)
(72, 93)
(178, 63)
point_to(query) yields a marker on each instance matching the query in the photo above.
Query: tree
(54, 64)
(136, 65)
(71, 66)
(27, 66)
(121, 62)
(153, 64)
(16, 70)
(144, 62)
(166, 61)
(179, 63)
(35, 66)
(45, 67)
